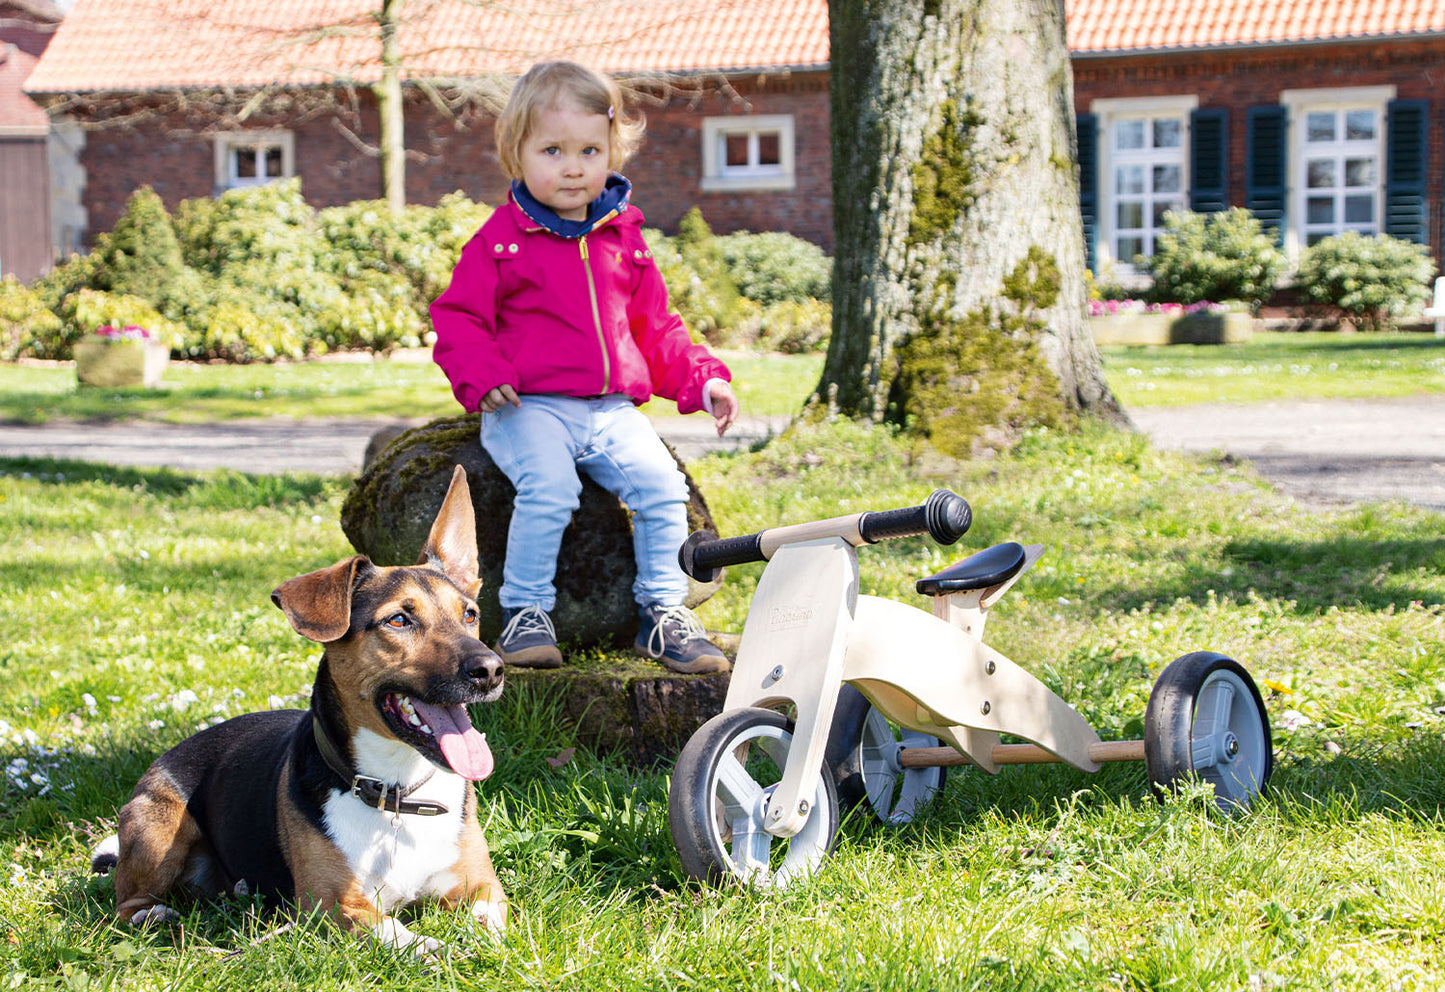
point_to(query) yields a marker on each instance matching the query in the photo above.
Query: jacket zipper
(596, 318)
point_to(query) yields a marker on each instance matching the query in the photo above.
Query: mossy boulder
(388, 512)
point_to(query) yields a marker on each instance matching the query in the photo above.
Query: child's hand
(725, 405)
(492, 402)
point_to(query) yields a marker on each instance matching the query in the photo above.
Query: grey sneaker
(528, 639)
(675, 636)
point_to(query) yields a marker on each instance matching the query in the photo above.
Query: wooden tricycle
(883, 696)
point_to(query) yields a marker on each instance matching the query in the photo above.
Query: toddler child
(556, 327)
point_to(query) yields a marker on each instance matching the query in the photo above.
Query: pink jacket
(579, 316)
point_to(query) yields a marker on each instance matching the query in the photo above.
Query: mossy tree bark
(958, 286)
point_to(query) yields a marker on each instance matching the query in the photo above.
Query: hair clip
(611, 111)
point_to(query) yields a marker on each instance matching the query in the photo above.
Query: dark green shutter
(1088, 130)
(1406, 167)
(1209, 160)
(1265, 161)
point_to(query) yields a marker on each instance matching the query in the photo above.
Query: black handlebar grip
(945, 517)
(703, 554)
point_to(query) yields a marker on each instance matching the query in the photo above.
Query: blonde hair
(547, 84)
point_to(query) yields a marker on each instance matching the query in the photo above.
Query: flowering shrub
(1109, 308)
(1373, 280)
(1219, 256)
(130, 332)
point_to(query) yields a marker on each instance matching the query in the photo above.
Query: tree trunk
(389, 106)
(958, 287)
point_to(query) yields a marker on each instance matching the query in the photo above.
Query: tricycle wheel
(1206, 721)
(863, 754)
(716, 805)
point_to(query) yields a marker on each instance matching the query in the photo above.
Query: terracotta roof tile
(18, 113)
(1104, 26)
(140, 44)
(143, 44)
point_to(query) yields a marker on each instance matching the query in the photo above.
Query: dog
(362, 804)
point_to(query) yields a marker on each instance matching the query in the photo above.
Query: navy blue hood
(612, 202)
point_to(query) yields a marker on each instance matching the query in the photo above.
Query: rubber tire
(1170, 729)
(844, 758)
(692, 811)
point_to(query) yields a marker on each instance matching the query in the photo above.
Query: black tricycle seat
(987, 568)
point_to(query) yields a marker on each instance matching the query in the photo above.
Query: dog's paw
(393, 933)
(490, 914)
(156, 915)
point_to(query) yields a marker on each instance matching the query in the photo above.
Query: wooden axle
(1018, 754)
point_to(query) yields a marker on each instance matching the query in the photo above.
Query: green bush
(140, 256)
(1373, 280)
(418, 247)
(1214, 257)
(716, 298)
(773, 266)
(27, 327)
(708, 312)
(795, 327)
(85, 310)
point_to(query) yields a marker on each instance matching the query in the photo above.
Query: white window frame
(1109, 112)
(1299, 104)
(228, 142)
(717, 175)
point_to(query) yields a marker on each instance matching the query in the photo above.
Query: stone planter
(1164, 328)
(111, 363)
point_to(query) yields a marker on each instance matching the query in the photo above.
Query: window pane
(1359, 125)
(1320, 210)
(736, 152)
(1130, 215)
(1315, 239)
(1320, 173)
(769, 148)
(1130, 134)
(1359, 172)
(273, 163)
(1162, 207)
(1320, 127)
(1167, 133)
(1130, 179)
(1129, 247)
(1359, 209)
(1166, 178)
(245, 163)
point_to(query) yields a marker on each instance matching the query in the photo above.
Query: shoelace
(529, 620)
(688, 627)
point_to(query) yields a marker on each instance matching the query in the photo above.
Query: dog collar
(373, 791)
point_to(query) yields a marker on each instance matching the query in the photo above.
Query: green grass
(138, 608)
(1278, 366)
(195, 393)
(1270, 366)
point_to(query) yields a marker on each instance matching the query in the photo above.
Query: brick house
(25, 236)
(1319, 117)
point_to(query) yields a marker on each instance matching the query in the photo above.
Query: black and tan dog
(364, 803)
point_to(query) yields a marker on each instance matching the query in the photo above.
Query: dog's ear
(318, 604)
(452, 544)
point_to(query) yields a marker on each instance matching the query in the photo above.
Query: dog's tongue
(465, 749)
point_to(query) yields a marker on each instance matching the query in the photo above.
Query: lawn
(1278, 366)
(140, 612)
(406, 387)
(1270, 366)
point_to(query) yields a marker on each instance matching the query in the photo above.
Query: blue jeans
(540, 446)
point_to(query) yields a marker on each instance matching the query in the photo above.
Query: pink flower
(130, 332)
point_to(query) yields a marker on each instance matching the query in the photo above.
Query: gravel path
(1321, 451)
(1327, 452)
(281, 444)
